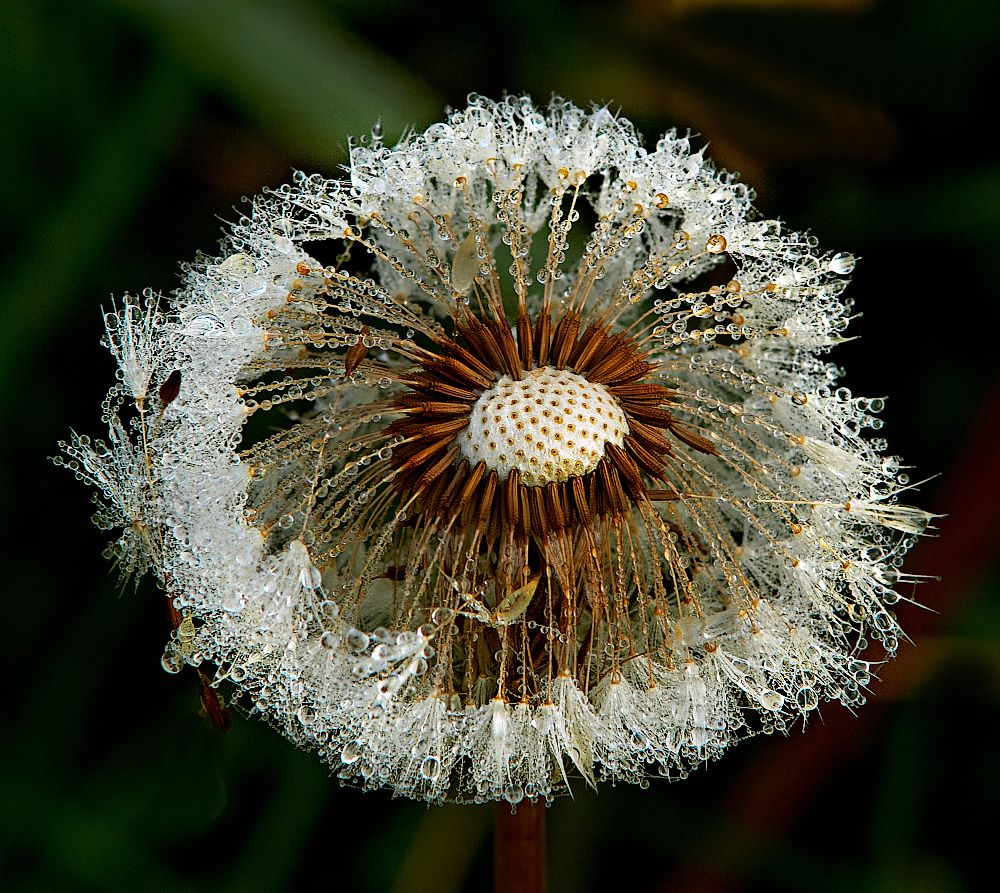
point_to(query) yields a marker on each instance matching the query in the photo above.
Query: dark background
(131, 128)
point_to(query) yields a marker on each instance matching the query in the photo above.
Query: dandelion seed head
(512, 458)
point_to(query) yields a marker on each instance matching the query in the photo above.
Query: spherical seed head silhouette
(512, 457)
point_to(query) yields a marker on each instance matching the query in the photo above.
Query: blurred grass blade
(309, 83)
(77, 235)
(276, 847)
(442, 850)
(954, 204)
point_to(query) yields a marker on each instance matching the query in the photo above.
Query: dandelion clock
(510, 461)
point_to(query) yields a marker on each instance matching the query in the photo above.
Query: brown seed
(447, 428)
(627, 469)
(543, 338)
(212, 705)
(486, 501)
(170, 387)
(581, 502)
(539, 516)
(662, 495)
(443, 501)
(564, 338)
(430, 474)
(650, 438)
(173, 615)
(356, 352)
(421, 456)
(508, 350)
(589, 346)
(413, 405)
(469, 488)
(652, 415)
(693, 440)
(625, 372)
(643, 392)
(481, 340)
(555, 497)
(645, 459)
(612, 486)
(429, 384)
(524, 340)
(450, 347)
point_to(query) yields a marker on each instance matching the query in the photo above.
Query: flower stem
(519, 848)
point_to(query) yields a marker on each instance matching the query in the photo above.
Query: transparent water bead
(842, 263)
(551, 425)
(430, 768)
(772, 700)
(513, 794)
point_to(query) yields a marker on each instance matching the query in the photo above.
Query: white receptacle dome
(551, 425)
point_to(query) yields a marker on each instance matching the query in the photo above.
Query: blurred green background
(131, 128)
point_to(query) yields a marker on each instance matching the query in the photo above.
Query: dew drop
(772, 700)
(716, 244)
(513, 793)
(430, 768)
(842, 263)
(806, 699)
(172, 662)
(357, 640)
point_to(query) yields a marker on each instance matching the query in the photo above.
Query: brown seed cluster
(453, 374)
